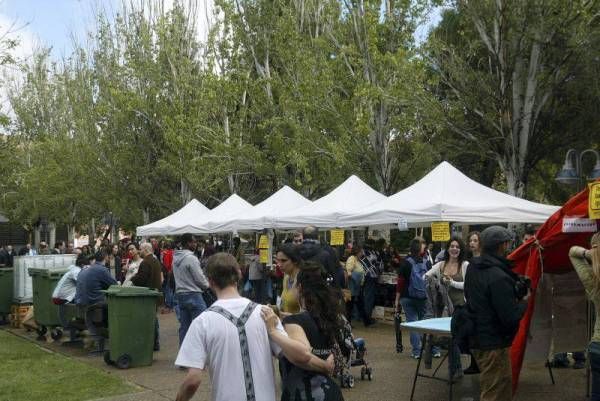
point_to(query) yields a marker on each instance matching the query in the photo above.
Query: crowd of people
(235, 313)
(124, 264)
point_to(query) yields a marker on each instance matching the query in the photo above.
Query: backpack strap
(240, 324)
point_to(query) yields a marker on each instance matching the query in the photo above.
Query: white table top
(439, 325)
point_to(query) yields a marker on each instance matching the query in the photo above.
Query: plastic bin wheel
(123, 361)
(107, 359)
(41, 331)
(369, 374)
(56, 334)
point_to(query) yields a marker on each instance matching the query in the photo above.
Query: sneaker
(437, 354)
(579, 365)
(559, 363)
(415, 356)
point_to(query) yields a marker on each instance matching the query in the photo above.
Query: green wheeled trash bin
(6, 291)
(43, 281)
(131, 314)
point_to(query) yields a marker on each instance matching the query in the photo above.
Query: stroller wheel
(363, 372)
(369, 374)
(350, 381)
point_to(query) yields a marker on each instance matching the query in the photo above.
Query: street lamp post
(571, 173)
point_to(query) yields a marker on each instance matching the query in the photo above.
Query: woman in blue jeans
(410, 289)
(587, 265)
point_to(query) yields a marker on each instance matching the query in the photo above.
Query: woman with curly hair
(316, 329)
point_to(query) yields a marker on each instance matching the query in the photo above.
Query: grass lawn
(30, 373)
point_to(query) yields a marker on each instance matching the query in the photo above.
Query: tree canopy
(145, 115)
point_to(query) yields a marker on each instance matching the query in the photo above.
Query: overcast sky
(53, 23)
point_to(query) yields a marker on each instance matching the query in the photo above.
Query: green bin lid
(47, 272)
(131, 291)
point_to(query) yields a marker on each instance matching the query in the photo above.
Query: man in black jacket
(492, 298)
(326, 256)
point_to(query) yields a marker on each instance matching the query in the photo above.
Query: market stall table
(440, 327)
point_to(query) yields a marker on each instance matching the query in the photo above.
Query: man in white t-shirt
(230, 338)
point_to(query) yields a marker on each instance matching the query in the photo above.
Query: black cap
(493, 236)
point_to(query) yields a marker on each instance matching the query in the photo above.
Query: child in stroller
(353, 352)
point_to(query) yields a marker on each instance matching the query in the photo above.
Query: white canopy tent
(263, 214)
(353, 195)
(192, 210)
(446, 194)
(208, 222)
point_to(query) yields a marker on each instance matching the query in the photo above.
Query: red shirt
(167, 259)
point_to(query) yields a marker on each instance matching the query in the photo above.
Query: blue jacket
(90, 282)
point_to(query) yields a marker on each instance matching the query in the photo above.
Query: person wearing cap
(496, 309)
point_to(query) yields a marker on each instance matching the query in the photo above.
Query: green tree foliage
(502, 68)
(144, 116)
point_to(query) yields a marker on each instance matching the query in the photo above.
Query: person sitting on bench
(90, 283)
(65, 289)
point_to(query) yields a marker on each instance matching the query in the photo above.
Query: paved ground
(393, 373)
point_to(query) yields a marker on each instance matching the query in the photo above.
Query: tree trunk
(186, 192)
(230, 176)
(36, 237)
(514, 183)
(52, 235)
(92, 233)
(70, 233)
(146, 216)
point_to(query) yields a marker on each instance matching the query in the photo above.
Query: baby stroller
(353, 353)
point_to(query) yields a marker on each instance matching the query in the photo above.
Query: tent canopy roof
(207, 222)
(446, 194)
(190, 211)
(352, 195)
(262, 215)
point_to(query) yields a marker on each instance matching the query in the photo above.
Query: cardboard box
(383, 314)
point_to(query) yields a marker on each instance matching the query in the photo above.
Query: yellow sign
(440, 231)
(264, 256)
(337, 237)
(594, 200)
(263, 242)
